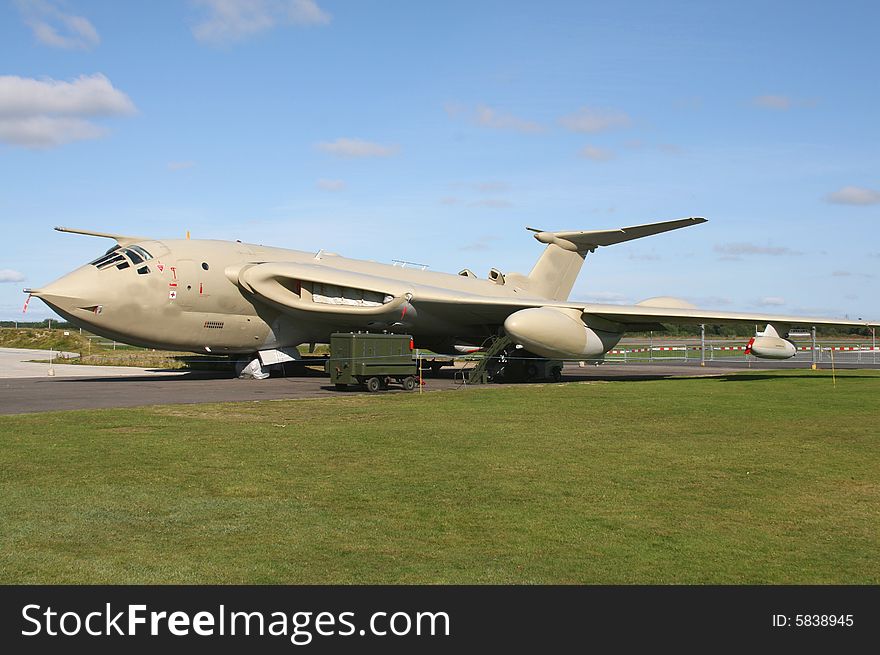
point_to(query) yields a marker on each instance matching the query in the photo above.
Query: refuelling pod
(558, 334)
(769, 345)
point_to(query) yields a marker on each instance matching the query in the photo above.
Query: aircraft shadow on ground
(157, 377)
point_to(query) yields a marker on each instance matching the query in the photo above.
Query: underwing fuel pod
(769, 345)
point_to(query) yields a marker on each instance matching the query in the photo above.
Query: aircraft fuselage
(187, 296)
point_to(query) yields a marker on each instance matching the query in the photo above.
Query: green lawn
(748, 478)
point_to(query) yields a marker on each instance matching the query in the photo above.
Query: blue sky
(435, 132)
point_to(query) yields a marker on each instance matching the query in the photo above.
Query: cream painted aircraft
(260, 302)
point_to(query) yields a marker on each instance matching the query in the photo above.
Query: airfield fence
(733, 351)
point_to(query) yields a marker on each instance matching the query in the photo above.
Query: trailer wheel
(556, 374)
(409, 383)
(373, 384)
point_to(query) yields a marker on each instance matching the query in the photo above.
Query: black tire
(556, 374)
(373, 385)
(531, 372)
(409, 383)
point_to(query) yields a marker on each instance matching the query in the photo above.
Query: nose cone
(74, 295)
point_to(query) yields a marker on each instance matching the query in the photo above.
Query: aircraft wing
(629, 317)
(280, 284)
(633, 315)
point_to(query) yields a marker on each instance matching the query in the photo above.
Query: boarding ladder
(480, 373)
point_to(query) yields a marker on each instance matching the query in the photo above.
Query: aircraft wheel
(409, 383)
(373, 385)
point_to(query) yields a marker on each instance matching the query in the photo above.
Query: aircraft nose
(76, 290)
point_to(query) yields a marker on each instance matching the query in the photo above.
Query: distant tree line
(56, 323)
(746, 329)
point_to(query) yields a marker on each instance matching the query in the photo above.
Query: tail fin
(555, 273)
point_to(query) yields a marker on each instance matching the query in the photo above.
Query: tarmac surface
(19, 363)
(27, 388)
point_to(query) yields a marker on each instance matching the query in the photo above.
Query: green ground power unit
(372, 360)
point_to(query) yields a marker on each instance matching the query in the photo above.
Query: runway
(95, 387)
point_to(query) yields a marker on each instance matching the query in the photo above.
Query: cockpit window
(143, 270)
(106, 255)
(140, 251)
(109, 260)
(120, 258)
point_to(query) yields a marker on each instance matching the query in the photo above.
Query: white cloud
(736, 249)
(47, 131)
(180, 165)
(53, 27)
(593, 120)
(87, 95)
(606, 297)
(7, 275)
(854, 195)
(773, 102)
(771, 301)
(45, 113)
(480, 245)
(486, 116)
(234, 20)
(710, 301)
(352, 148)
(492, 118)
(595, 153)
(330, 185)
(454, 109)
(644, 256)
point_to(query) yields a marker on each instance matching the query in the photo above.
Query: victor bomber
(235, 298)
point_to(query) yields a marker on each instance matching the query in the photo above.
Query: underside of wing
(635, 315)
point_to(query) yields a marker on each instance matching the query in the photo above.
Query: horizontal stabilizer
(587, 240)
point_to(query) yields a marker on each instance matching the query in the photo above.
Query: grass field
(748, 478)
